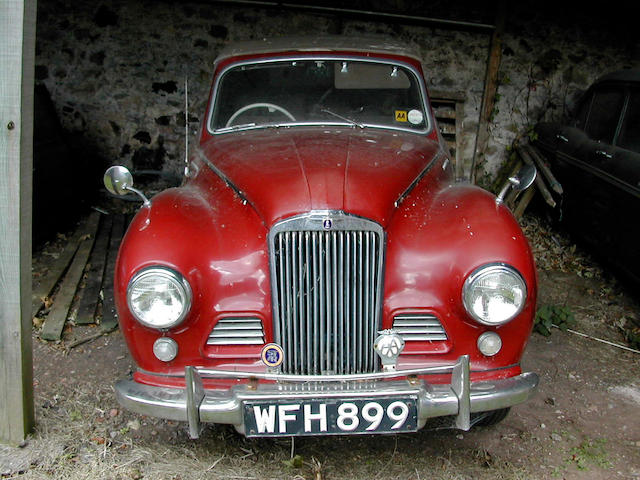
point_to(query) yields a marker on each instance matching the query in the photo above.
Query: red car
(319, 271)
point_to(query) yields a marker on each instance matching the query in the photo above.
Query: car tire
(487, 419)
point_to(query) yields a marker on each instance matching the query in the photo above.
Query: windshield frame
(424, 98)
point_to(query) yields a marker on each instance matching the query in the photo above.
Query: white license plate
(331, 416)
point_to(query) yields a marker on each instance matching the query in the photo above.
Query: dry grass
(81, 434)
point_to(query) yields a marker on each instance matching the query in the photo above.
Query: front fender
(218, 243)
(436, 239)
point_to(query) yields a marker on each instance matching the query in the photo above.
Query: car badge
(327, 224)
(272, 355)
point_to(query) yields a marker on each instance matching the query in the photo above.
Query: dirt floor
(583, 423)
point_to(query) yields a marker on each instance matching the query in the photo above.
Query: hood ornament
(388, 345)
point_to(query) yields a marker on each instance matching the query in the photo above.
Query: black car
(596, 158)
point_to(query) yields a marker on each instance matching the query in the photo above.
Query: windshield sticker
(415, 117)
(401, 115)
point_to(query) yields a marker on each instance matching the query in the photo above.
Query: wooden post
(490, 88)
(17, 50)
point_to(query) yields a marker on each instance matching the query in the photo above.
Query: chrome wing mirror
(520, 181)
(119, 181)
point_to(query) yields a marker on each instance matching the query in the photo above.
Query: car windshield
(321, 92)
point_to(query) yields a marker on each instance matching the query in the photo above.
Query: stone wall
(116, 69)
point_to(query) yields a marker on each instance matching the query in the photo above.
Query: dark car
(596, 158)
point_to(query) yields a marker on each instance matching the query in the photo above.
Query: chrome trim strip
(601, 174)
(281, 377)
(365, 376)
(416, 180)
(429, 124)
(221, 174)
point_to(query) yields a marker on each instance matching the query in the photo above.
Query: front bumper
(196, 406)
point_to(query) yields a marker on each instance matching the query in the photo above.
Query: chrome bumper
(196, 405)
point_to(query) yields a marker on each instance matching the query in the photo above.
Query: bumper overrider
(310, 404)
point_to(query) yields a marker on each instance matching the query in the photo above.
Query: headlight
(494, 294)
(159, 297)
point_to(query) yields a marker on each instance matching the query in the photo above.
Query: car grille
(326, 279)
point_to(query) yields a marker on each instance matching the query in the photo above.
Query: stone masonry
(116, 69)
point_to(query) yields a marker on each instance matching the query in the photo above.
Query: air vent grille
(237, 331)
(419, 327)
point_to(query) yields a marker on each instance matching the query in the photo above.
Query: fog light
(489, 343)
(165, 349)
(388, 346)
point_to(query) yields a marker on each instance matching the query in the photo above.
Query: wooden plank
(490, 87)
(445, 113)
(524, 202)
(17, 52)
(544, 191)
(447, 129)
(459, 163)
(95, 274)
(449, 110)
(544, 168)
(444, 96)
(109, 314)
(43, 286)
(54, 323)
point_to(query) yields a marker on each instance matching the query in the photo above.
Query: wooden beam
(544, 168)
(55, 268)
(95, 274)
(522, 205)
(490, 88)
(54, 324)
(544, 191)
(109, 314)
(17, 52)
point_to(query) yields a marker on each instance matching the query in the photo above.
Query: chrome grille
(326, 278)
(419, 327)
(237, 331)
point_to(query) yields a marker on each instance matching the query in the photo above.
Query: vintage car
(319, 271)
(596, 158)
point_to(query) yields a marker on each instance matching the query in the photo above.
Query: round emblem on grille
(272, 355)
(327, 224)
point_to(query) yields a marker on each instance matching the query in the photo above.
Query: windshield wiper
(346, 119)
(231, 128)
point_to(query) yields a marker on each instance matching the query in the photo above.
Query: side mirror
(520, 181)
(119, 181)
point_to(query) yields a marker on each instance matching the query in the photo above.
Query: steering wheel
(251, 106)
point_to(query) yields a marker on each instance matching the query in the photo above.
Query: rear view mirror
(519, 182)
(119, 181)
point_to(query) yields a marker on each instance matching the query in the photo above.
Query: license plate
(331, 416)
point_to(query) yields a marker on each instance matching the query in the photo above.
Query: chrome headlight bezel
(496, 270)
(171, 277)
